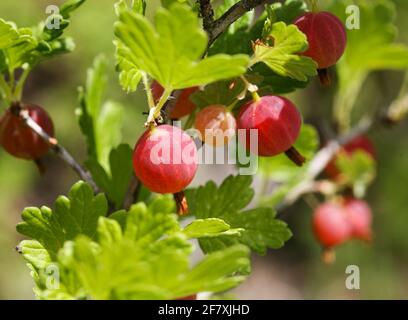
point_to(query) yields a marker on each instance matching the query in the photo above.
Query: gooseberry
(326, 36)
(330, 224)
(216, 125)
(165, 159)
(359, 216)
(19, 140)
(278, 123)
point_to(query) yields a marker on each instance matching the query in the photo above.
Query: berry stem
(324, 77)
(232, 105)
(181, 203)
(5, 91)
(18, 90)
(146, 83)
(314, 6)
(295, 156)
(155, 111)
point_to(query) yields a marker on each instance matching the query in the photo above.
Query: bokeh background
(295, 271)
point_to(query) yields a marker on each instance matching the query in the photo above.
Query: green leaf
(94, 116)
(218, 93)
(140, 254)
(282, 57)
(69, 6)
(77, 214)
(370, 47)
(115, 183)
(109, 163)
(358, 170)
(170, 51)
(286, 12)
(34, 253)
(9, 34)
(211, 227)
(261, 229)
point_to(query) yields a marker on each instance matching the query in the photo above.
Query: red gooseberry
(216, 125)
(19, 140)
(183, 105)
(330, 224)
(359, 216)
(326, 35)
(165, 159)
(278, 123)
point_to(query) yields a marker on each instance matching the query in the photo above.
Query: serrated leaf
(77, 214)
(261, 230)
(218, 93)
(282, 57)
(34, 253)
(8, 34)
(170, 51)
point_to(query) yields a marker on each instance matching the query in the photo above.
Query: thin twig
(59, 150)
(132, 193)
(321, 160)
(233, 14)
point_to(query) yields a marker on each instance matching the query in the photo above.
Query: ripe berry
(330, 225)
(360, 143)
(182, 107)
(19, 140)
(326, 36)
(216, 125)
(278, 123)
(165, 159)
(359, 216)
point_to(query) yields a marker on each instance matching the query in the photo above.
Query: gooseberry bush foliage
(125, 230)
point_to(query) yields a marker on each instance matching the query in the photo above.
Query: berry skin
(216, 125)
(278, 123)
(326, 36)
(183, 106)
(361, 143)
(165, 159)
(331, 225)
(359, 216)
(19, 140)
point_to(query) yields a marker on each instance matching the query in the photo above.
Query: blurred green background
(295, 271)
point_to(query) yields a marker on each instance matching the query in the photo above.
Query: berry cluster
(337, 222)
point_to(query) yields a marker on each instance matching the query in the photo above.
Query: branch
(207, 13)
(132, 193)
(321, 160)
(233, 14)
(55, 146)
